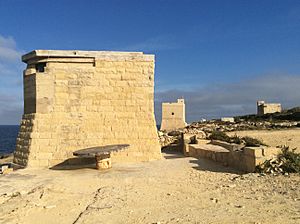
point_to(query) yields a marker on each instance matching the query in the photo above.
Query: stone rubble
(203, 129)
(166, 139)
(211, 126)
(6, 169)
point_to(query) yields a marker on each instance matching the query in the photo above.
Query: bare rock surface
(210, 126)
(288, 137)
(174, 190)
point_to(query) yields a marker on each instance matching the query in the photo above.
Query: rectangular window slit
(40, 67)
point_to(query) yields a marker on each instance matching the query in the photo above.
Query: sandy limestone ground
(289, 137)
(174, 190)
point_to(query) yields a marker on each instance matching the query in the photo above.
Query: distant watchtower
(173, 115)
(267, 108)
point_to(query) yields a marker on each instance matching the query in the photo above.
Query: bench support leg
(103, 162)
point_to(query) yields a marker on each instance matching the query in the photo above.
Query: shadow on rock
(172, 153)
(75, 164)
(207, 165)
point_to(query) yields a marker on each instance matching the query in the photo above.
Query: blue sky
(220, 55)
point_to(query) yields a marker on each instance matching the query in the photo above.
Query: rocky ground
(277, 133)
(210, 126)
(288, 137)
(176, 189)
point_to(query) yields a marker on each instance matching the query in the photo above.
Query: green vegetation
(288, 161)
(291, 160)
(219, 135)
(236, 139)
(247, 141)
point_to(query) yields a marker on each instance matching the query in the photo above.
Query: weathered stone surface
(226, 145)
(80, 99)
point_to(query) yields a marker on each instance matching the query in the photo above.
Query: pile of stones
(165, 139)
(198, 132)
(175, 137)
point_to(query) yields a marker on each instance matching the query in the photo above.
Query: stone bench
(101, 154)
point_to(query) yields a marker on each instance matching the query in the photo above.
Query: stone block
(253, 151)
(271, 151)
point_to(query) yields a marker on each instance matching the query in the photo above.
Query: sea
(8, 136)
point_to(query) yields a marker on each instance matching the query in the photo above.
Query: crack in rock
(90, 205)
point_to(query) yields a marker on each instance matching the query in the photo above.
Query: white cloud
(10, 78)
(233, 99)
(8, 49)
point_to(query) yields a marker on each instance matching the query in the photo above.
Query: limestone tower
(173, 115)
(267, 108)
(79, 99)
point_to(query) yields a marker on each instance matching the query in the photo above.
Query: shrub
(288, 161)
(219, 135)
(236, 139)
(249, 141)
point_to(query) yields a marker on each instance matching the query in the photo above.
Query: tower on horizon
(173, 115)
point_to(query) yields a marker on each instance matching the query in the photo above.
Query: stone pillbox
(80, 99)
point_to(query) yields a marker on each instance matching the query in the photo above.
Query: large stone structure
(267, 108)
(173, 115)
(79, 99)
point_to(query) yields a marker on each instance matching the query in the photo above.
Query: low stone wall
(245, 160)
